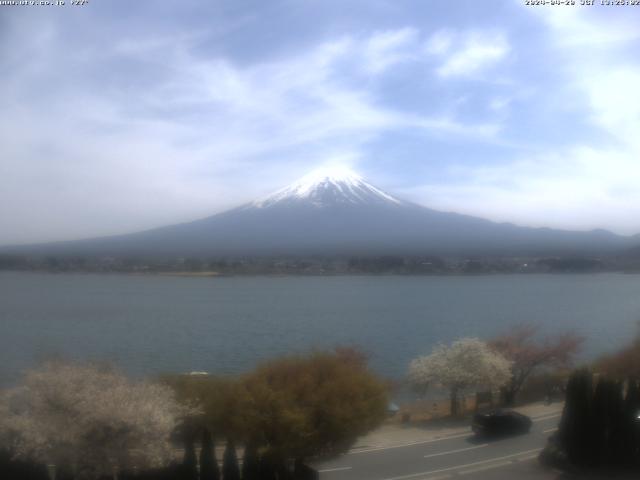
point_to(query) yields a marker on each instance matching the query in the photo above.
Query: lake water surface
(152, 324)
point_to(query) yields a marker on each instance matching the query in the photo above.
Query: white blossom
(466, 363)
(88, 419)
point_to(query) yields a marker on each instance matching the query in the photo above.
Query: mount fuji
(337, 212)
(330, 188)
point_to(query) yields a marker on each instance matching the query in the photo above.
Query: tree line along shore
(315, 265)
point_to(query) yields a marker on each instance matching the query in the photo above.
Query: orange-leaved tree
(314, 405)
(528, 353)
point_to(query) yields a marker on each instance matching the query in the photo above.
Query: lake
(152, 324)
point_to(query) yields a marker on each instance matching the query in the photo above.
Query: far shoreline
(214, 274)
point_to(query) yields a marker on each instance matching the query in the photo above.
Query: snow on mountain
(335, 212)
(328, 187)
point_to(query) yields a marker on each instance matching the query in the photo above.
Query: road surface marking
(541, 418)
(554, 412)
(546, 417)
(457, 467)
(337, 469)
(483, 468)
(527, 458)
(420, 442)
(456, 451)
(550, 430)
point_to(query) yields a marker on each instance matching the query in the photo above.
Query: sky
(119, 116)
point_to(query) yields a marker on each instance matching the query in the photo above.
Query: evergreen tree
(616, 417)
(607, 424)
(230, 469)
(600, 423)
(283, 471)
(190, 461)
(304, 472)
(267, 467)
(208, 464)
(251, 463)
(631, 427)
(575, 432)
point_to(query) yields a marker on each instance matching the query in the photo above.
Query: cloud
(467, 54)
(591, 182)
(387, 48)
(614, 99)
(439, 42)
(598, 27)
(149, 130)
(574, 189)
(152, 121)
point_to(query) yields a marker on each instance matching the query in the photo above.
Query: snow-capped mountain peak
(328, 187)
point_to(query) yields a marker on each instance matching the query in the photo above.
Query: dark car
(500, 422)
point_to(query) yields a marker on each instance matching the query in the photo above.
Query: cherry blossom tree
(529, 353)
(89, 420)
(466, 363)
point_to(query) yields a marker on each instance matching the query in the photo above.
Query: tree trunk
(304, 472)
(454, 402)
(508, 395)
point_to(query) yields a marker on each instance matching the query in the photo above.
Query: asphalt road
(459, 455)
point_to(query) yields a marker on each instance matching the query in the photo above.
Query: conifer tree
(189, 461)
(575, 433)
(615, 446)
(251, 463)
(283, 471)
(631, 429)
(600, 423)
(208, 464)
(267, 467)
(230, 469)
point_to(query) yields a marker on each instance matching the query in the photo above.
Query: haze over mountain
(336, 212)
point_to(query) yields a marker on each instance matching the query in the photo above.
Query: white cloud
(187, 136)
(598, 27)
(439, 42)
(153, 128)
(384, 49)
(467, 54)
(579, 188)
(590, 184)
(614, 98)
(499, 104)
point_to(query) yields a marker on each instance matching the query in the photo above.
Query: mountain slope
(338, 213)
